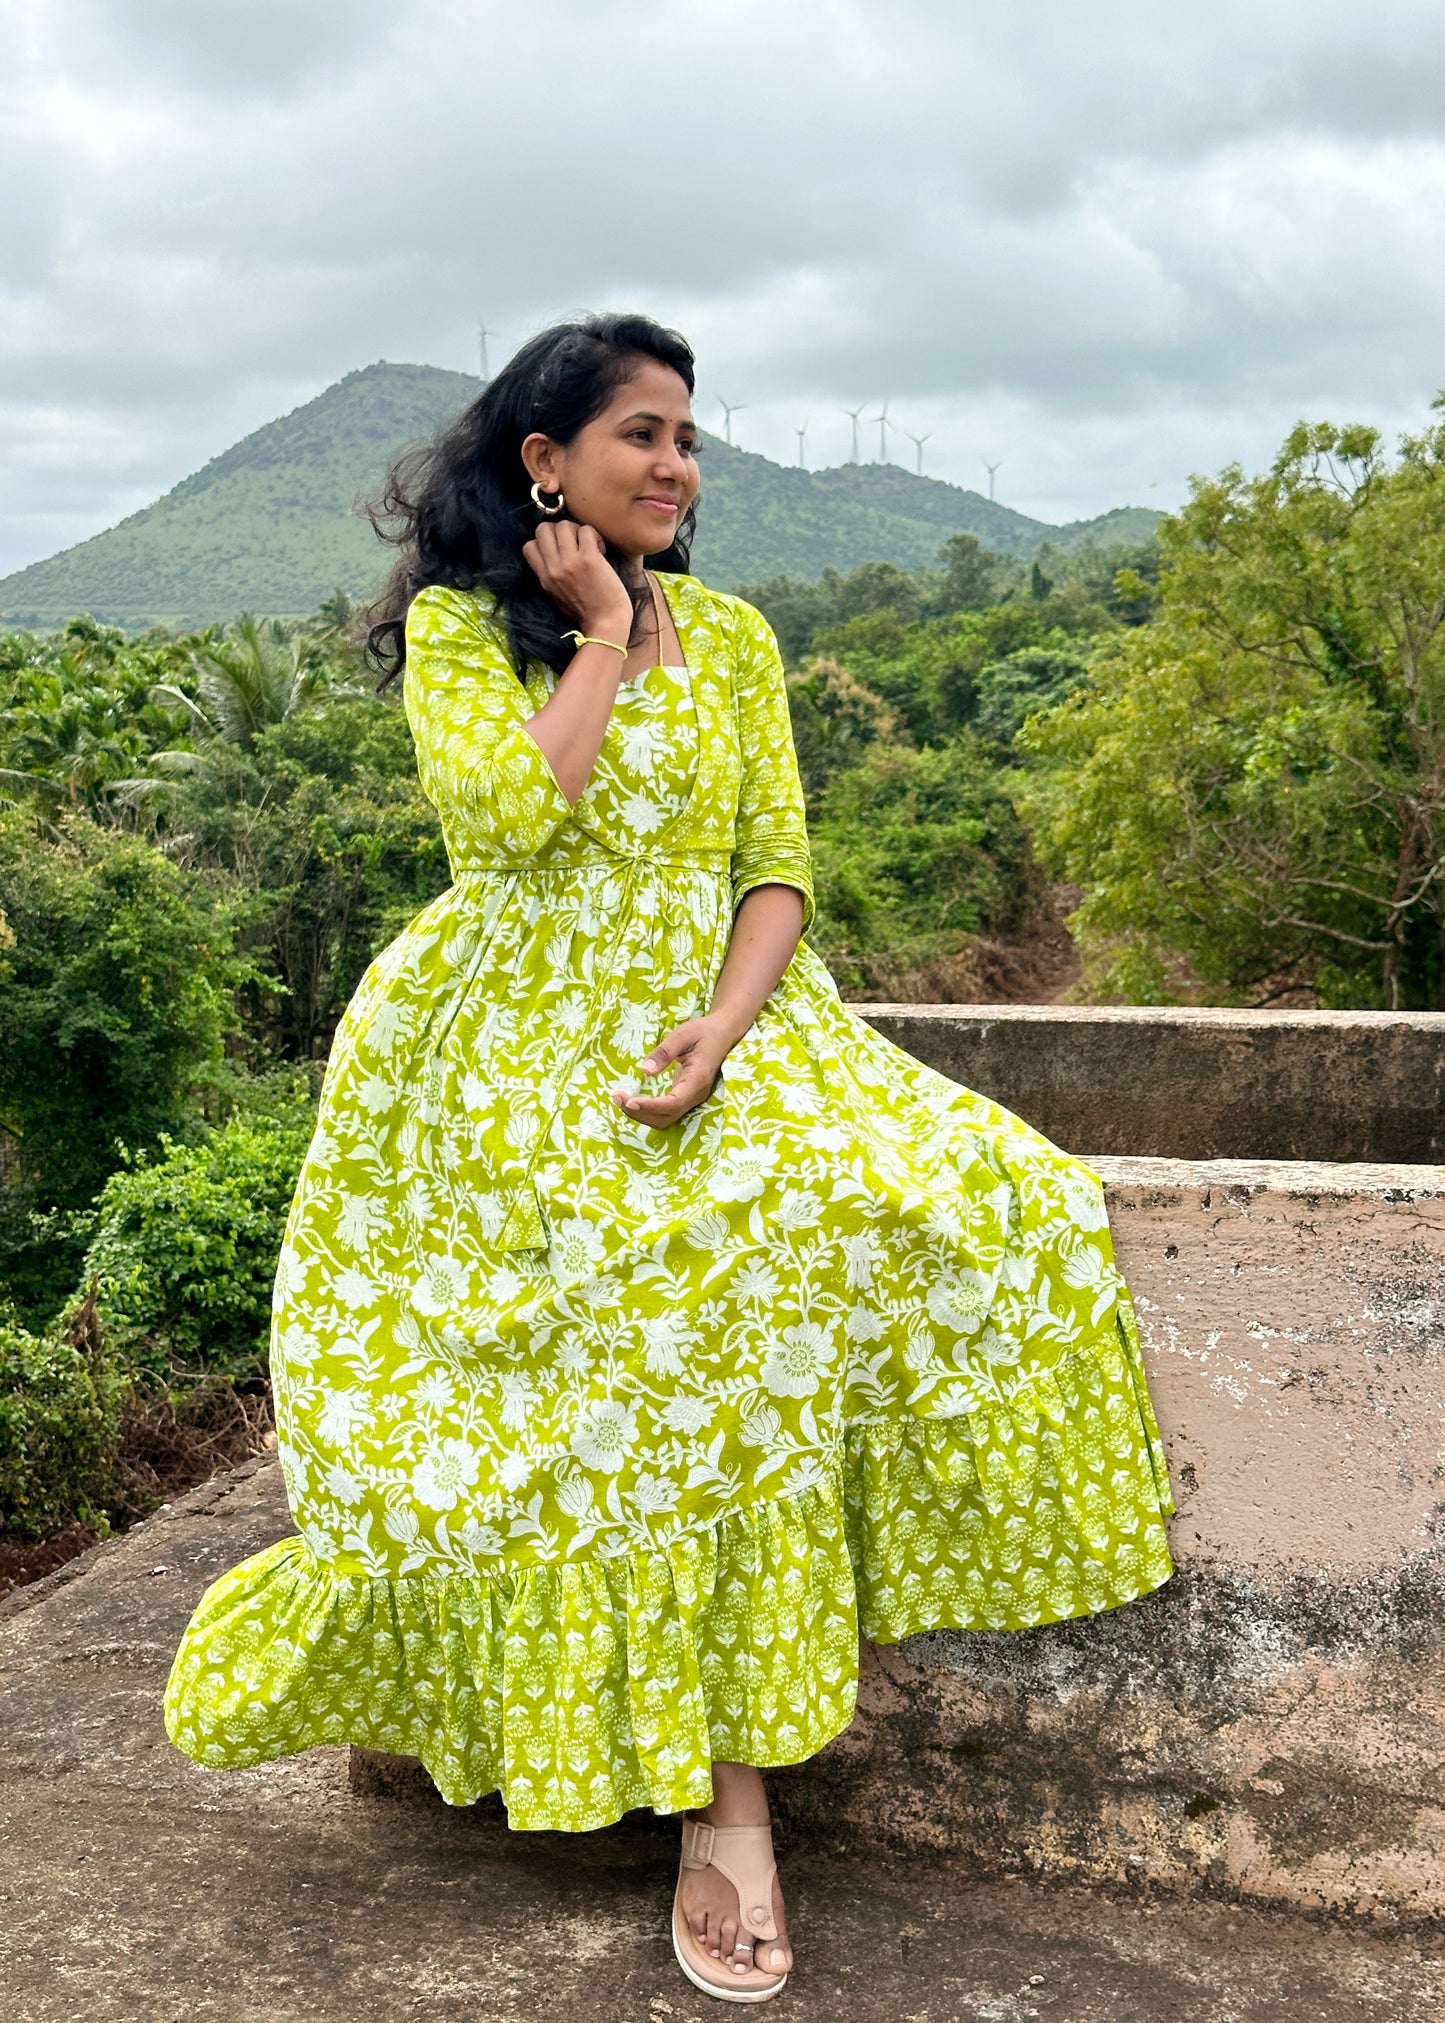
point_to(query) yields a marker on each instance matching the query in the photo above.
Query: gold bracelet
(583, 639)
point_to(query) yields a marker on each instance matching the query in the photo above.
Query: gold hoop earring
(550, 511)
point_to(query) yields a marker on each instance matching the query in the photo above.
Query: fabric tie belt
(601, 860)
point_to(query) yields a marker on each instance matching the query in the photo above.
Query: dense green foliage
(1233, 740)
(907, 691)
(80, 716)
(60, 1404)
(1251, 788)
(324, 831)
(118, 976)
(915, 850)
(185, 1244)
(116, 989)
(271, 525)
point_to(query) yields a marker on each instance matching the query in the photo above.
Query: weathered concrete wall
(136, 1887)
(1191, 1084)
(1272, 1722)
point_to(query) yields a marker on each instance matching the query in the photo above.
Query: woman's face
(631, 472)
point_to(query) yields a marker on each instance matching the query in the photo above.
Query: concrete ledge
(1268, 1727)
(136, 1887)
(1182, 1083)
(1271, 1723)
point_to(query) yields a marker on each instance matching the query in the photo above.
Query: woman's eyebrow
(661, 420)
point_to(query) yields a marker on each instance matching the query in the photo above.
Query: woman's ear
(539, 454)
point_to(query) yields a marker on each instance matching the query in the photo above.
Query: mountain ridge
(270, 525)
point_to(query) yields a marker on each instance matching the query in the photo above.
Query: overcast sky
(1104, 245)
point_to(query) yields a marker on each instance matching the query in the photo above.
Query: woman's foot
(710, 1903)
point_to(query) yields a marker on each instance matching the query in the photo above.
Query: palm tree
(65, 741)
(255, 675)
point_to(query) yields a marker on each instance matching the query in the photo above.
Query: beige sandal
(744, 1854)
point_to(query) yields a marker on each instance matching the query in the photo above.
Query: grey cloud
(1133, 241)
(223, 50)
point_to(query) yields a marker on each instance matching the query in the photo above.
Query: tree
(835, 717)
(1013, 689)
(118, 976)
(915, 852)
(1252, 789)
(259, 673)
(972, 575)
(323, 836)
(77, 719)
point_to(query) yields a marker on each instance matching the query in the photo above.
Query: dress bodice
(697, 765)
(647, 766)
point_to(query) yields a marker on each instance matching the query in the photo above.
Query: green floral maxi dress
(604, 1442)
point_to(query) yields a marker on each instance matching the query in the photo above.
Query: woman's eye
(691, 449)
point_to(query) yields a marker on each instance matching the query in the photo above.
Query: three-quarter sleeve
(480, 767)
(771, 845)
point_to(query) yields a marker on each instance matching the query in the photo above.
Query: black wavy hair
(459, 508)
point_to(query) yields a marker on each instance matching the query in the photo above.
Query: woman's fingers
(691, 1085)
(570, 560)
(541, 554)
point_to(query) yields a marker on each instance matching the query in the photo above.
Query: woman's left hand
(698, 1046)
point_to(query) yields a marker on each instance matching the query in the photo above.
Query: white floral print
(604, 1443)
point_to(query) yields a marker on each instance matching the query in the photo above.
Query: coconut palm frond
(41, 785)
(167, 692)
(176, 764)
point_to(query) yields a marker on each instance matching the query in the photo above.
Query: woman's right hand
(571, 564)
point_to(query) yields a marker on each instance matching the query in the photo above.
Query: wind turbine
(802, 435)
(918, 442)
(853, 414)
(884, 424)
(730, 408)
(482, 335)
(991, 468)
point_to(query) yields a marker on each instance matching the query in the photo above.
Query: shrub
(185, 1247)
(1012, 690)
(60, 1405)
(915, 852)
(117, 978)
(330, 847)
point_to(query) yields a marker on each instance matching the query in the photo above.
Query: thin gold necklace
(656, 628)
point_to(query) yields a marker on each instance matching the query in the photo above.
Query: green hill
(270, 526)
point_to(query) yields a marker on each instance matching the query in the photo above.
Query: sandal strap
(744, 1854)
(696, 1843)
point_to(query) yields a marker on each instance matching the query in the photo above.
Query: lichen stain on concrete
(1259, 1746)
(1305, 1811)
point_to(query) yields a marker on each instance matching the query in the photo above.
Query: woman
(612, 1405)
